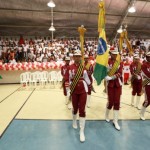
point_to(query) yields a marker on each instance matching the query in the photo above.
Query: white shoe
(142, 117)
(132, 100)
(142, 112)
(70, 106)
(138, 108)
(74, 124)
(107, 115)
(116, 125)
(82, 136)
(82, 126)
(115, 121)
(137, 101)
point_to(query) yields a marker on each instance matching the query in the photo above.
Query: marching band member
(114, 87)
(79, 81)
(126, 71)
(89, 68)
(136, 80)
(146, 85)
(65, 84)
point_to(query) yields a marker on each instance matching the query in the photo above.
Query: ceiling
(33, 17)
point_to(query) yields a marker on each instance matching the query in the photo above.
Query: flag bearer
(79, 81)
(114, 86)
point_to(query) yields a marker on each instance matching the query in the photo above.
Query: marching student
(78, 78)
(114, 87)
(146, 85)
(136, 80)
(65, 84)
(89, 68)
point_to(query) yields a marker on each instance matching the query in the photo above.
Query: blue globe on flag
(102, 46)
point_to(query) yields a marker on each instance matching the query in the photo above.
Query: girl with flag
(114, 86)
(78, 80)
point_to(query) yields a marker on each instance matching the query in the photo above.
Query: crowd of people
(41, 49)
(13, 50)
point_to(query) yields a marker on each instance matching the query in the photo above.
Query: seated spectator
(45, 58)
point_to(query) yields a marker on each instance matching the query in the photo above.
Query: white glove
(68, 92)
(138, 77)
(107, 78)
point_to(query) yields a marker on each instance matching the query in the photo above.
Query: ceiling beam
(69, 12)
(65, 27)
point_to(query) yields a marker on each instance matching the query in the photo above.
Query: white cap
(148, 54)
(136, 56)
(67, 58)
(115, 51)
(77, 53)
(136, 52)
(70, 54)
(86, 56)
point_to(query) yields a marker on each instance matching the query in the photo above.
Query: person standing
(126, 71)
(114, 86)
(89, 68)
(136, 80)
(146, 85)
(78, 79)
(65, 84)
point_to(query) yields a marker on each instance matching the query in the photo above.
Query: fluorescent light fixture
(51, 4)
(120, 30)
(132, 9)
(52, 27)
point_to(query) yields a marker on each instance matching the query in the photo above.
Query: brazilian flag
(100, 71)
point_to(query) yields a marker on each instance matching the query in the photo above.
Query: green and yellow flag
(100, 70)
(1, 77)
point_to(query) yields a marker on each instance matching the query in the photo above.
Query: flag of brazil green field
(100, 70)
(0, 77)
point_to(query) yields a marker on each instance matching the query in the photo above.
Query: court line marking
(120, 102)
(9, 95)
(78, 119)
(17, 113)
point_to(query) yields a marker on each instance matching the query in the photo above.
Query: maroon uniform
(89, 68)
(65, 83)
(137, 82)
(146, 75)
(79, 94)
(114, 87)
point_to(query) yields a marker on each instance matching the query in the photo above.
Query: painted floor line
(121, 102)
(9, 95)
(17, 113)
(77, 119)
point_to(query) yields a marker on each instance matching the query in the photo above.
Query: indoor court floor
(36, 118)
